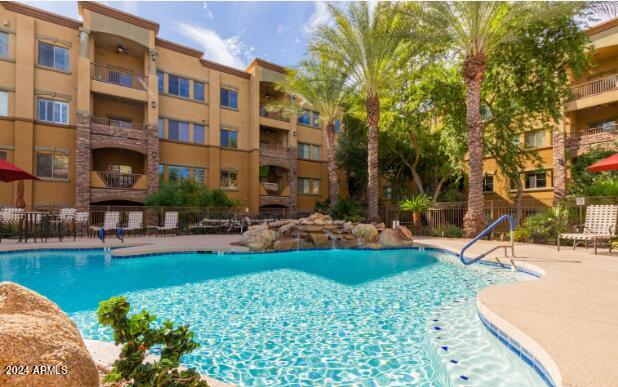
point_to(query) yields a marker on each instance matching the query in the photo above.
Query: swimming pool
(330, 317)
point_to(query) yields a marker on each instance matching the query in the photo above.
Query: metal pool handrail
(485, 232)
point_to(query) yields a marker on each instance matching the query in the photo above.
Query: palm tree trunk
(373, 118)
(333, 182)
(474, 68)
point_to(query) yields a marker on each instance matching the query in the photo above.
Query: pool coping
(521, 344)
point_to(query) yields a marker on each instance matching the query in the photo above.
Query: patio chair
(110, 222)
(600, 225)
(170, 223)
(135, 222)
(81, 222)
(10, 217)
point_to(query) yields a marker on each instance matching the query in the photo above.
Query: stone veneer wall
(83, 162)
(559, 161)
(152, 157)
(285, 158)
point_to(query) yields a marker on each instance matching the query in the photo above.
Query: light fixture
(153, 104)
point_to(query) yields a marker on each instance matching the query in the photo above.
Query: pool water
(330, 317)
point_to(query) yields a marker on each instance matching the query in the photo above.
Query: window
(604, 126)
(304, 151)
(3, 155)
(535, 139)
(308, 186)
(4, 103)
(229, 138)
(4, 44)
(536, 180)
(178, 130)
(161, 172)
(304, 118)
(387, 193)
(488, 183)
(229, 98)
(120, 123)
(119, 168)
(316, 119)
(198, 175)
(198, 90)
(178, 86)
(176, 173)
(161, 128)
(198, 134)
(161, 79)
(316, 152)
(229, 179)
(53, 56)
(53, 166)
(53, 111)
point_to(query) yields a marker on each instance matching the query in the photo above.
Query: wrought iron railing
(597, 86)
(594, 130)
(275, 115)
(116, 123)
(119, 180)
(117, 76)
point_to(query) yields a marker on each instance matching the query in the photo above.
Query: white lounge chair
(600, 225)
(81, 222)
(110, 222)
(135, 222)
(170, 223)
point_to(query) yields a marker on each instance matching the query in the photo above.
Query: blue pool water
(332, 317)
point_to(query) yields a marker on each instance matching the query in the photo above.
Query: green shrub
(586, 183)
(447, 231)
(188, 193)
(418, 203)
(323, 207)
(137, 336)
(346, 209)
(543, 227)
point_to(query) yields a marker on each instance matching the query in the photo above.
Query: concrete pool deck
(568, 318)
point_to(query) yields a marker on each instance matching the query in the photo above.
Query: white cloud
(229, 51)
(320, 15)
(207, 13)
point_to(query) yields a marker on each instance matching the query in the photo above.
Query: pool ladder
(511, 245)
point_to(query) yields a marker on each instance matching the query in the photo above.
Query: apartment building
(102, 110)
(590, 121)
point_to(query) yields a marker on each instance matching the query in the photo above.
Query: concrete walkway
(571, 312)
(568, 318)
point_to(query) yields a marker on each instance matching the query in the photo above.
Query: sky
(231, 33)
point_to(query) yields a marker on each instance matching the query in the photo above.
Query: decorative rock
(312, 229)
(404, 233)
(320, 240)
(390, 238)
(374, 246)
(318, 222)
(366, 231)
(286, 229)
(258, 240)
(285, 244)
(379, 226)
(35, 331)
(263, 226)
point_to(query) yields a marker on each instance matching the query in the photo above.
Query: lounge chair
(600, 225)
(170, 223)
(81, 222)
(110, 222)
(136, 221)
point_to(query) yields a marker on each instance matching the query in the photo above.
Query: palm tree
(473, 30)
(366, 45)
(320, 86)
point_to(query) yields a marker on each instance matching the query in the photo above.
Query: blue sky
(232, 33)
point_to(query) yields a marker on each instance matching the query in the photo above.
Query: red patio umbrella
(10, 172)
(608, 164)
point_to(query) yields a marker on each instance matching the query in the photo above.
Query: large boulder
(320, 240)
(288, 228)
(285, 244)
(404, 233)
(368, 232)
(258, 239)
(390, 238)
(35, 332)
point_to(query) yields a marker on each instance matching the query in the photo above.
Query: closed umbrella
(608, 164)
(11, 172)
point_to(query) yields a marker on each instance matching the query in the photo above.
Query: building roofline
(225, 69)
(178, 48)
(124, 16)
(268, 65)
(606, 25)
(41, 14)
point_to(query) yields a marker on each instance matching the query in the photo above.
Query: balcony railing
(275, 115)
(265, 147)
(595, 130)
(119, 180)
(117, 76)
(598, 86)
(116, 123)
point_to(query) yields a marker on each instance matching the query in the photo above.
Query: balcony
(274, 119)
(118, 82)
(583, 141)
(106, 186)
(596, 92)
(277, 155)
(107, 132)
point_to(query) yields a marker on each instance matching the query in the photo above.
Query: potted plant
(417, 205)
